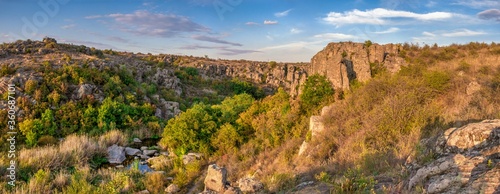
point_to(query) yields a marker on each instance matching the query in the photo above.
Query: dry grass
(113, 137)
(73, 151)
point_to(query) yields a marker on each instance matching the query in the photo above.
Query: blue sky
(265, 30)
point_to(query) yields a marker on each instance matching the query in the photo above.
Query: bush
(155, 182)
(47, 140)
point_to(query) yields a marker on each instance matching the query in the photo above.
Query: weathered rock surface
(468, 161)
(216, 179)
(250, 185)
(172, 188)
(344, 62)
(132, 151)
(116, 154)
(316, 126)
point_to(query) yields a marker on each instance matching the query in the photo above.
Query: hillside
(361, 117)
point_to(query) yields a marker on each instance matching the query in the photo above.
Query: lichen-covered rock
(172, 188)
(468, 161)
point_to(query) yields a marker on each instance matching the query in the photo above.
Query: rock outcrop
(288, 76)
(344, 62)
(468, 161)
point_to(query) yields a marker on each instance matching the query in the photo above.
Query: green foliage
(368, 43)
(316, 90)
(323, 177)
(6, 70)
(229, 109)
(240, 87)
(227, 139)
(32, 129)
(272, 64)
(30, 86)
(344, 54)
(436, 80)
(191, 130)
(354, 181)
(376, 69)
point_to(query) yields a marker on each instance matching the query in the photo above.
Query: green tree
(226, 139)
(191, 130)
(231, 107)
(48, 122)
(32, 129)
(315, 91)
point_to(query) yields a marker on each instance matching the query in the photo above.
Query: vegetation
(370, 131)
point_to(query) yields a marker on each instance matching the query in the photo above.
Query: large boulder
(116, 154)
(468, 161)
(216, 179)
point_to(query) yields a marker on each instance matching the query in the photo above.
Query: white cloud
(251, 24)
(431, 4)
(93, 16)
(335, 36)
(479, 4)
(428, 34)
(270, 22)
(388, 31)
(296, 31)
(65, 27)
(282, 14)
(463, 32)
(380, 16)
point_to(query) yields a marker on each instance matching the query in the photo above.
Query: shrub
(113, 137)
(47, 140)
(30, 86)
(436, 80)
(155, 182)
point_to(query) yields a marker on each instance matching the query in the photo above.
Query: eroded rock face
(468, 161)
(343, 62)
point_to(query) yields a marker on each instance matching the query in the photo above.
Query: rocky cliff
(271, 75)
(345, 62)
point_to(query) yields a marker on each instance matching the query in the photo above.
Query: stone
(250, 185)
(172, 188)
(164, 153)
(149, 152)
(196, 155)
(144, 147)
(144, 157)
(467, 161)
(232, 190)
(186, 159)
(116, 154)
(137, 140)
(143, 192)
(119, 166)
(132, 151)
(85, 89)
(216, 179)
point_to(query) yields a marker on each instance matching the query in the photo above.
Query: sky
(263, 30)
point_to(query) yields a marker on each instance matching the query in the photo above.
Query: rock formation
(288, 76)
(468, 161)
(344, 62)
